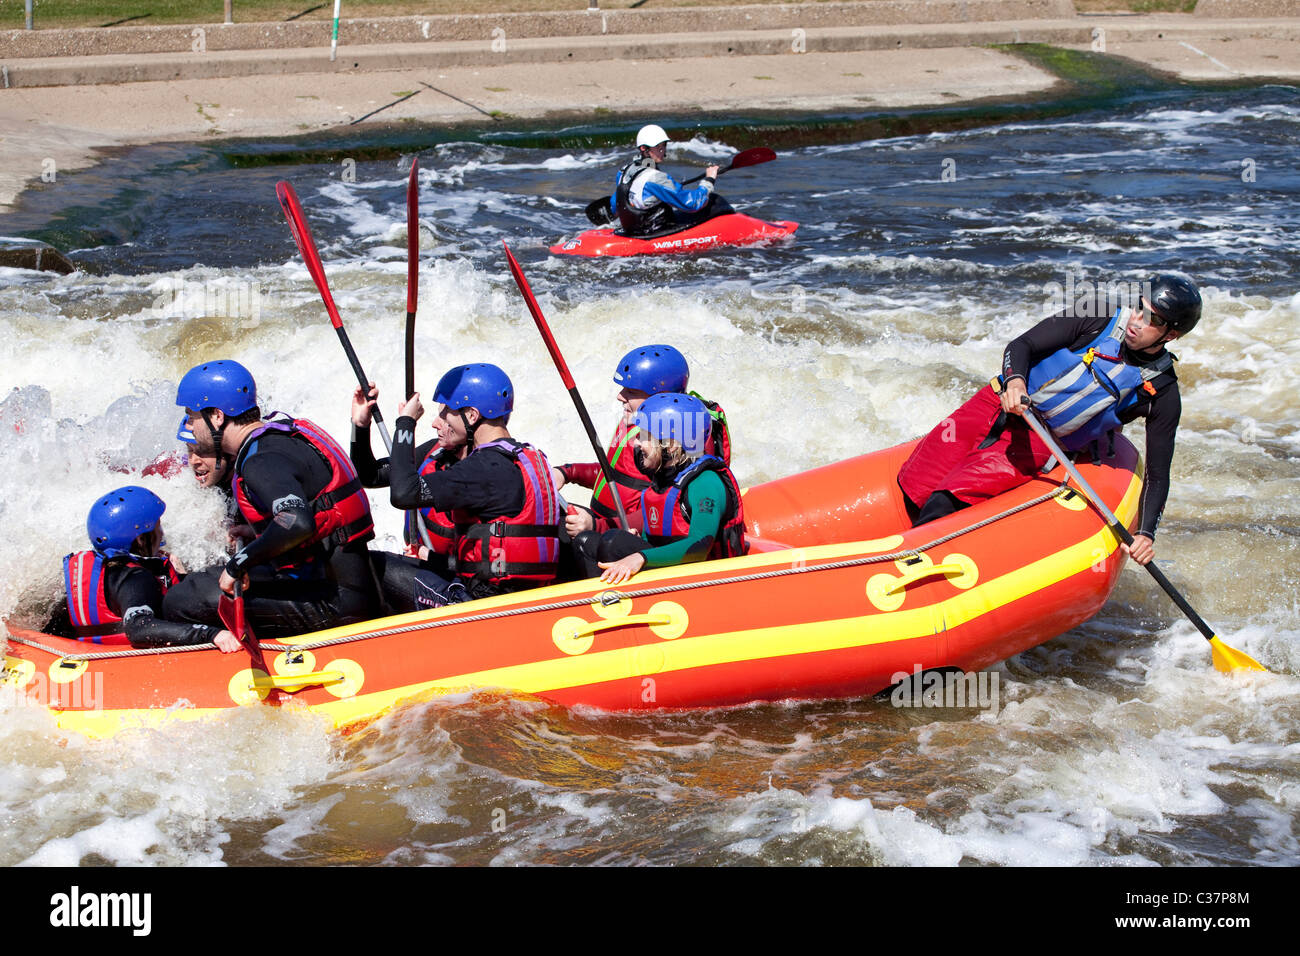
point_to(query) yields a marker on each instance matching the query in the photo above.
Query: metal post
(28, 9)
(230, 13)
(593, 4)
(334, 37)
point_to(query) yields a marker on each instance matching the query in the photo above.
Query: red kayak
(733, 229)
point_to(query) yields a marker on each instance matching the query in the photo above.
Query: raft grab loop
(887, 592)
(575, 635)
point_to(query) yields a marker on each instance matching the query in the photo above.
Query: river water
(918, 258)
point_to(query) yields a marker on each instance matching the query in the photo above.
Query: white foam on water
(160, 797)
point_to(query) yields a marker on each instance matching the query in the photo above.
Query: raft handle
(914, 574)
(595, 627)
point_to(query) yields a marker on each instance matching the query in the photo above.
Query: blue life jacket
(1081, 394)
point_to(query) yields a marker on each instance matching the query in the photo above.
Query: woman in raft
(646, 370)
(691, 508)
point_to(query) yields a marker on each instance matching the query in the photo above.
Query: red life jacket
(88, 608)
(627, 476)
(441, 529)
(341, 510)
(668, 518)
(521, 547)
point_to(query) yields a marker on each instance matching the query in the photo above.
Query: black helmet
(1175, 299)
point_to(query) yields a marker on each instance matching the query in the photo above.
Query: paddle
(231, 611)
(412, 270)
(412, 297)
(307, 247)
(598, 210)
(1225, 658)
(563, 368)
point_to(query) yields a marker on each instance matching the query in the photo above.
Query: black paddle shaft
(364, 383)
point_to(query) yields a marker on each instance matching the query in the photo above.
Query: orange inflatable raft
(850, 600)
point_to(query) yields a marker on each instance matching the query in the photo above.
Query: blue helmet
(672, 415)
(224, 385)
(653, 369)
(121, 516)
(480, 386)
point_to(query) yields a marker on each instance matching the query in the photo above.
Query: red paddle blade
(752, 157)
(540, 319)
(306, 246)
(413, 236)
(231, 611)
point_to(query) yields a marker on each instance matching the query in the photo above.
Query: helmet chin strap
(221, 458)
(469, 429)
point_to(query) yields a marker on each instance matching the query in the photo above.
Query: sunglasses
(1150, 315)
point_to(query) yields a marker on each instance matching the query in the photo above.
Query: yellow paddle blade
(1229, 659)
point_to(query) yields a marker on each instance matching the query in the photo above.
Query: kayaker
(307, 566)
(115, 589)
(1086, 376)
(416, 580)
(500, 494)
(642, 372)
(691, 506)
(646, 200)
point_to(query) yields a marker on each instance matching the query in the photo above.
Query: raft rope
(608, 598)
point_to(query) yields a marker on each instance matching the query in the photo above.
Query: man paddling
(1086, 377)
(646, 200)
(307, 567)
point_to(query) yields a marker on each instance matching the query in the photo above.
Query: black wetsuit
(295, 585)
(1161, 411)
(407, 583)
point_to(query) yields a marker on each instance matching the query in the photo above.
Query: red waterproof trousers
(949, 459)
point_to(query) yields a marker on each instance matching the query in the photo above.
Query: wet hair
(254, 414)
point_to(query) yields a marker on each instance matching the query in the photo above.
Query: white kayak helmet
(651, 136)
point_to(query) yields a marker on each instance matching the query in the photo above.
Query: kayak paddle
(563, 368)
(598, 209)
(1226, 658)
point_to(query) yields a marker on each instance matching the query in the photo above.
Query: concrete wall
(300, 34)
(1248, 8)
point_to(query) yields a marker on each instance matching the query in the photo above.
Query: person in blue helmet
(306, 566)
(646, 200)
(500, 495)
(115, 589)
(644, 371)
(691, 507)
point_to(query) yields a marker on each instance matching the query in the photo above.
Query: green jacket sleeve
(706, 497)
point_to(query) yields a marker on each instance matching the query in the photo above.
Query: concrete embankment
(69, 92)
